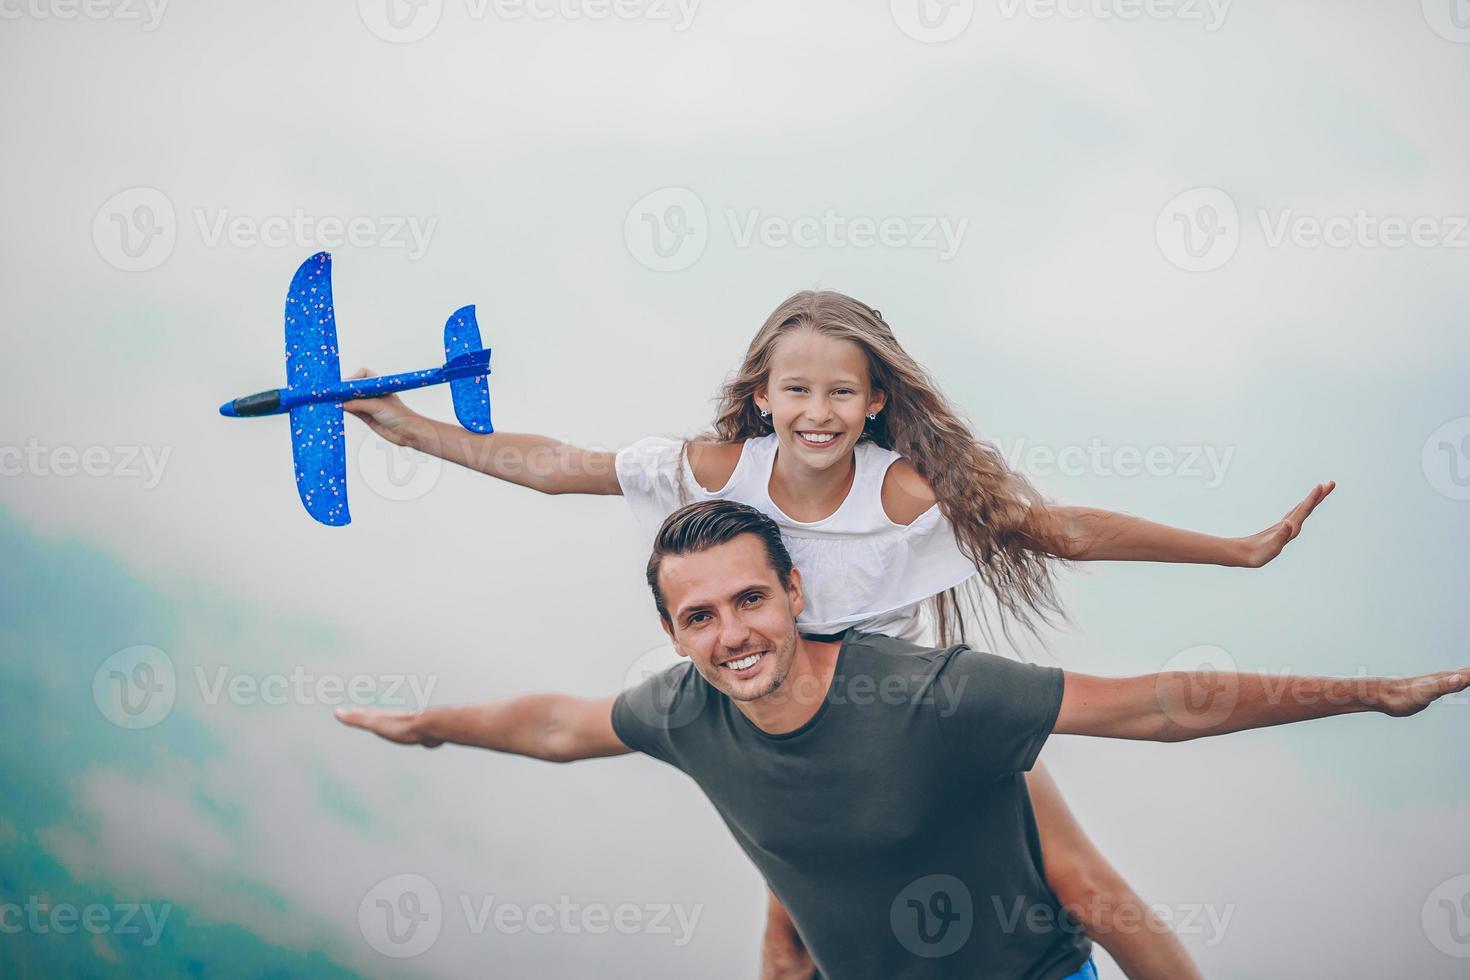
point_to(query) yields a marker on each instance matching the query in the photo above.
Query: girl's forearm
(538, 462)
(1089, 534)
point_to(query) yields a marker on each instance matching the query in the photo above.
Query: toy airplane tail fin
(462, 352)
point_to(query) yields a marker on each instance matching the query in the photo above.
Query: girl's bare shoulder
(906, 494)
(713, 463)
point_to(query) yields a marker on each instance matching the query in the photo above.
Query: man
(876, 784)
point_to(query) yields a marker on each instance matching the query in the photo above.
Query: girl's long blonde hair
(985, 501)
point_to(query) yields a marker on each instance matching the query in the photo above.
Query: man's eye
(752, 598)
(696, 619)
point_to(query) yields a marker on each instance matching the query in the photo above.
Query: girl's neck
(806, 494)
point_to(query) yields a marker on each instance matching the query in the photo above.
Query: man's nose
(734, 634)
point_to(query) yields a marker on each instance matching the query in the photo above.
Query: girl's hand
(386, 415)
(402, 727)
(1401, 697)
(1260, 548)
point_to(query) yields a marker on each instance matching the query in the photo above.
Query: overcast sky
(1183, 259)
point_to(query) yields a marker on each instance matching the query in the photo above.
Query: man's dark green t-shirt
(894, 826)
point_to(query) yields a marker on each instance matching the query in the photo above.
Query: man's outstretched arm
(553, 727)
(1181, 705)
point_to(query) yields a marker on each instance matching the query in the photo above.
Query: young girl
(891, 509)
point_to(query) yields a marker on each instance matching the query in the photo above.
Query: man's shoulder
(884, 646)
(890, 660)
(663, 701)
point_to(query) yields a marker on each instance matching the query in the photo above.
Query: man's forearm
(1180, 705)
(1196, 704)
(520, 725)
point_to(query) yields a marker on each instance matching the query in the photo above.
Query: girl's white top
(858, 567)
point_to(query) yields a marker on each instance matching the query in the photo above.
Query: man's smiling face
(731, 615)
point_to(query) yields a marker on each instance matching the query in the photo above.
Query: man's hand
(396, 726)
(1402, 697)
(1259, 549)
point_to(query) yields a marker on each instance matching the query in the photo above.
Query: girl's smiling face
(819, 394)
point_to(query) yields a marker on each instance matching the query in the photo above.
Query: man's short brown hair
(706, 524)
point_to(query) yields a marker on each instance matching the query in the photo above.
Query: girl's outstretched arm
(538, 462)
(1088, 534)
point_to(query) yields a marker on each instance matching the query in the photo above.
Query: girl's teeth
(816, 438)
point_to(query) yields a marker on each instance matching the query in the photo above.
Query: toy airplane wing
(312, 365)
(465, 363)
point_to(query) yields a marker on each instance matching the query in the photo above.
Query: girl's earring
(765, 414)
(872, 417)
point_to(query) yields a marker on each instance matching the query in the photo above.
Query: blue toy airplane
(315, 391)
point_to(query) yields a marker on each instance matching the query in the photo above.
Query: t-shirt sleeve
(995, 714)
(647, 716)
(649, 473)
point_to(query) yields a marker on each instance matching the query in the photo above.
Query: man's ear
(794, 590)
(669, 632)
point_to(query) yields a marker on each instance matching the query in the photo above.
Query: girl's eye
(843, 391)
(795, 389)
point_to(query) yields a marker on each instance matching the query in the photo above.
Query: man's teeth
(743, 663)
(818, 436)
